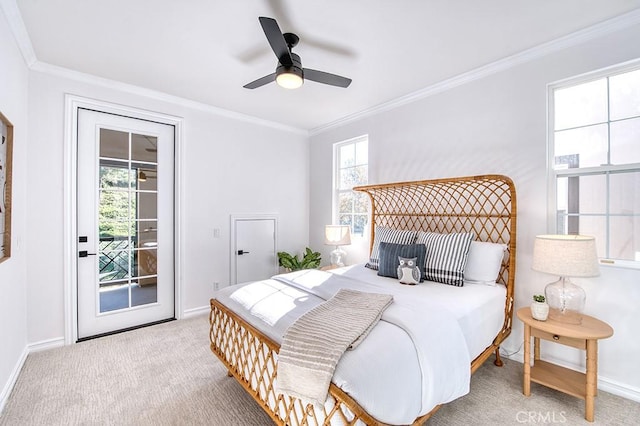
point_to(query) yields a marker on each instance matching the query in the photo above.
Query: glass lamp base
(338, 256)
(566, 301)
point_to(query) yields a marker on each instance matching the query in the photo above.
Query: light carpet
(167, 375)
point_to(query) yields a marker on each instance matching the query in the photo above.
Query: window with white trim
(351, 168)
(594, 164)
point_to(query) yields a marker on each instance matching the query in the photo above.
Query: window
(595, 161)
(351, 169)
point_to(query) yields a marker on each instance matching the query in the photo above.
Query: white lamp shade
(566, 255)
(337, 235)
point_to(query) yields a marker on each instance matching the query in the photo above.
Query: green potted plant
(310, 260)
(539, 308)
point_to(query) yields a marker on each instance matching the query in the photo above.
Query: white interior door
(255, 249)
(125, 222)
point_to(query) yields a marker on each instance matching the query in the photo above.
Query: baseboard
(44, 345)
(8, 387)
(194, 312)
(605, 384)
(619, 389)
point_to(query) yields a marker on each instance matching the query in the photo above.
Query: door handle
(84, 253)
(241, 252)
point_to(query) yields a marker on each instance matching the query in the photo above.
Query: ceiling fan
(289, 72)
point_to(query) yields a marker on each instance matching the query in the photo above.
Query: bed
(246, 330)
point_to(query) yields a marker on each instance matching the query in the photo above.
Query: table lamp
(337, 235)
(566, 256)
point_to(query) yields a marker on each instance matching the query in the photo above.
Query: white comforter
(413, 360)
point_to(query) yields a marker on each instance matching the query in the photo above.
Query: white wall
(13, 283)
(230, 167)
(497, 124)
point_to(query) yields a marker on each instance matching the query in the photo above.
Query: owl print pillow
(390, 253)
(408, 270)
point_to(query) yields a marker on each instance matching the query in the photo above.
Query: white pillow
(483, 263)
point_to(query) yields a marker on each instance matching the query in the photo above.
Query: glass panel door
(125, 222)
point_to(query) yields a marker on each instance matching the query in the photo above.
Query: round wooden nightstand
(329, 267)
(583, 336)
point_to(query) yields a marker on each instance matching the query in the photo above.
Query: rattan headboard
(484, 205)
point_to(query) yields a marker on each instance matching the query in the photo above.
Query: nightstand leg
(536, 349)
(592, 378)
(527, 366)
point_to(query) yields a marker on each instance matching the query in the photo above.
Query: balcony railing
(114, 259)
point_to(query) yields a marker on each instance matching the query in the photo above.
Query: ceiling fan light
(289, 79)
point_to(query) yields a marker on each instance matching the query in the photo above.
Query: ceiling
(206, 50)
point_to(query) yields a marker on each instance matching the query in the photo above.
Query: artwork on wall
(6, 147)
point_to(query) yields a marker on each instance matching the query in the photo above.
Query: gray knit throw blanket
(313, 345)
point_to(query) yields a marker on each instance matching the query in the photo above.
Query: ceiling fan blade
(326, 78)
(276, 40)
(261, 81)
(280, 11)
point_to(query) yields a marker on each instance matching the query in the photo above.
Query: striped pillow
(388, 235)
(446, 256)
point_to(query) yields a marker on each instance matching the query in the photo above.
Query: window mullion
(608, 123)
(607, 222)
(596, 170)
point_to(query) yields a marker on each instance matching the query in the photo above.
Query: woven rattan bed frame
(485, 205)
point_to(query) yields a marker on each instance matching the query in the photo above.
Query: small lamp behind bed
(337, 235)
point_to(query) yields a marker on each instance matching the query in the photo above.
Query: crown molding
(19, 30)
(160, 96)
(581, 36)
